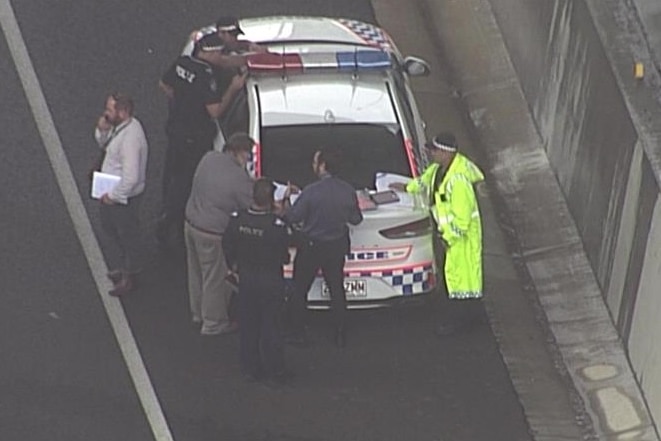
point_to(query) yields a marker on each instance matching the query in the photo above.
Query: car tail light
(412, 229)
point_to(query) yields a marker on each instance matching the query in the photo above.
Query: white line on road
(81, 222)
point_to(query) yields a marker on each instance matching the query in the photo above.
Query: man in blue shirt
(323, 211)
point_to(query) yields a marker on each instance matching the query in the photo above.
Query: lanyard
(113, 133)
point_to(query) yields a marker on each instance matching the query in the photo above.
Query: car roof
(325, 98)
(282, 29)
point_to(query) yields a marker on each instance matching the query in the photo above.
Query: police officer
(256, 245)
(449, 181)
(195, 102)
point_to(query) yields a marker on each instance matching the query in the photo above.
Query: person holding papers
(121, 135)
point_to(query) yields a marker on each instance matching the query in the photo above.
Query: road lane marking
(81, 222)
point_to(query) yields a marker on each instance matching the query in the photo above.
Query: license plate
(352, 288)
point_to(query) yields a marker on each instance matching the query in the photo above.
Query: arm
(102, 131)
(281, 241)
(355, 215)
(462, 205)
(166, 89)
(227, 61)
(249, 46)
(133, 141)
(298, 212)
(230, 241)
(217, 110)
(243, 195)
(424, 180)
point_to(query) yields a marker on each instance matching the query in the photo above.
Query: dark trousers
(260, 302)
(311, 256)
(121, 222)
(181, 159)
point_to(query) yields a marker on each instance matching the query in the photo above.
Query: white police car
(342, 82)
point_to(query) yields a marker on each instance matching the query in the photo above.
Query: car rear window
(287, 152)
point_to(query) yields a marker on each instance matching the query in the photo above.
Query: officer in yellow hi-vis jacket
(449, 182)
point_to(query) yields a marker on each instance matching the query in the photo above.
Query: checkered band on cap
(443, 146)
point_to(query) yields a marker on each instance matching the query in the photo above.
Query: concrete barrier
(599, 127)
(572, 142)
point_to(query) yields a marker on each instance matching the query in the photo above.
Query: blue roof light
(363, 60)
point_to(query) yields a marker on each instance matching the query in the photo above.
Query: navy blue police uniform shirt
(194, 84)
(256, 241)
(324, 209)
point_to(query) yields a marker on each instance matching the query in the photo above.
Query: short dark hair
(262, 191)
(331, 157)
(238, 142)
(122, 102)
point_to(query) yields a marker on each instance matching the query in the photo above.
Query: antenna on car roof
(284, 63)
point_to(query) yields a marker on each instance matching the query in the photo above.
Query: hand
(257, 48)
(105, 199)
(278, 207)
(397, 186)
(238, 81)
(291, 189)
(232, 277)
(103, 124)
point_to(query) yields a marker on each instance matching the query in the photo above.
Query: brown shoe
(124, 286)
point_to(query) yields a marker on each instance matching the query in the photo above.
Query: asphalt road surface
(62, 373)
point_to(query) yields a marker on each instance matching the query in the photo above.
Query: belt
(214, 233)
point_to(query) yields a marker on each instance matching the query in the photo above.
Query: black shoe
(340, 337)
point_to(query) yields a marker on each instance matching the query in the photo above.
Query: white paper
(103, 183)
(383, 180)
(279, 193)
(280, 190)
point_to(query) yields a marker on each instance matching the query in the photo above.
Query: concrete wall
(600, 132)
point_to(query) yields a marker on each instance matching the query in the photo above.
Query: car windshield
(287, 151)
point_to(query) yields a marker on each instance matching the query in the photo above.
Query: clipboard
(103, 183)
(384, 197)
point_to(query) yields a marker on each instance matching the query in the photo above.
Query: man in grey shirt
(221, 186)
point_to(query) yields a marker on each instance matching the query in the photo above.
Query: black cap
(228, 24)
(445, 141)
(209, 42)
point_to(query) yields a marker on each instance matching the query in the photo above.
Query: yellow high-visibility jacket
(456, 212)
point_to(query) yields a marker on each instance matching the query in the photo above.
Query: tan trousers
(208, 292)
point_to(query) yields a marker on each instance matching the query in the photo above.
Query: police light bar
(346, 61)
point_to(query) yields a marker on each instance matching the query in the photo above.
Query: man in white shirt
(123, 139)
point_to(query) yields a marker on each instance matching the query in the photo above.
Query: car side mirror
(416, 67)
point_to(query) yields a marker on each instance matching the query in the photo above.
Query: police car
(342, 82)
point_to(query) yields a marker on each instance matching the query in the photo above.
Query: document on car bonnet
(383, 180)
(103, 183)
(382, 183)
